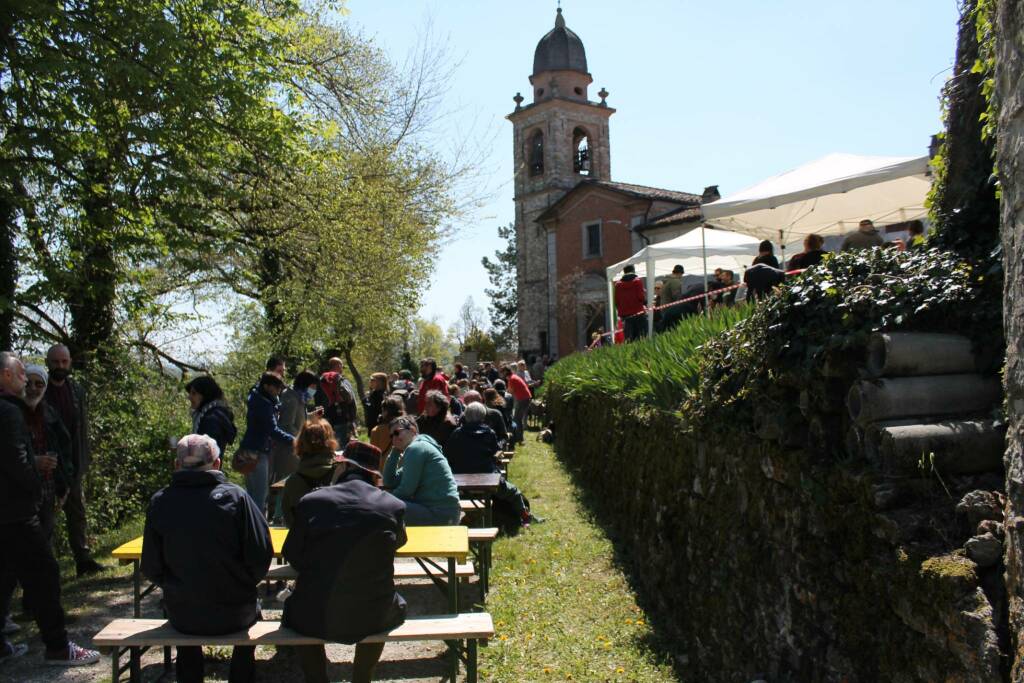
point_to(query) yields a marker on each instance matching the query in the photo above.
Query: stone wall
(759, 560)
(1010, 157)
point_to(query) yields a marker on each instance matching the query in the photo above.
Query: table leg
(453, 587)
(135, 666)
(137, 588)
(471, 660)
(115, 656)
(488, 516)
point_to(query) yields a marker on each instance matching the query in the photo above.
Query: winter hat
(38, 371)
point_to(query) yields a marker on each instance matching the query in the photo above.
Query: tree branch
(159, 353)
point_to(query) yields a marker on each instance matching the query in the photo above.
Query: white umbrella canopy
(829, 196)
(723, 249)
(699, 251)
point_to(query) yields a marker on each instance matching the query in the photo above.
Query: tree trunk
(1010, 157)
(8, 273)
(358, 379)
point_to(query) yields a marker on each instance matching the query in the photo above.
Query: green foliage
(826, 315)
(502, 273)
(134, 410)
(661, 371)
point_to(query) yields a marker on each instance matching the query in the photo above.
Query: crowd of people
(672, 302)
(350, 488)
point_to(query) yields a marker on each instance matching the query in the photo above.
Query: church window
(592, 240)
(581, 152)
(536, 154)
(578, 91)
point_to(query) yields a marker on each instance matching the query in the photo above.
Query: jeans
(190, 668)
(28, 559)
(257, 482)
(421, 515)
(522, 406)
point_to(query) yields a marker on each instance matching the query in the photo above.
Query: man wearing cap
(342, 543)
(630, 301)
(672, 291)
(261, 430)
(865, 237)
(208, 547)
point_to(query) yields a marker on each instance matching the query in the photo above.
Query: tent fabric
(829, 196)
(725, 249)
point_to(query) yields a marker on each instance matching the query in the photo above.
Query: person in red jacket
(630, 299)
(522, 395)
(432, 379)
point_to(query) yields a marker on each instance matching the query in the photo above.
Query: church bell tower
(558, 140)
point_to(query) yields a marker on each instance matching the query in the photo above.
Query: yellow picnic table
(423, 544)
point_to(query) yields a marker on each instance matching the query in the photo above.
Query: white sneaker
(74, 656)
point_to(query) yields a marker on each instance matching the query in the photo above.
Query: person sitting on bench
(207, 546)
(424, 481)
(472, 449)
(342, 543)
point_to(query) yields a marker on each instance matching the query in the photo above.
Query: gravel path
(102, 598)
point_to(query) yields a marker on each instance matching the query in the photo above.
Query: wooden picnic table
(479, 486)
(424, 543)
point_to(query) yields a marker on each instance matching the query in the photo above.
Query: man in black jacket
(343, 544)
(26, 549)
(208, 547)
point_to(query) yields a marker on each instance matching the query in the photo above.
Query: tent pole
(704, 256)
(650, 294)
(610, 316)
(782, 249)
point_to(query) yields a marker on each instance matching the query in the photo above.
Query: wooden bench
(480, 541)
(403, 570)
(461, 632)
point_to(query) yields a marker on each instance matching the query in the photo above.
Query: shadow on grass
(659, 641)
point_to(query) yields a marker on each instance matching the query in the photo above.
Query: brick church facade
(572, 221)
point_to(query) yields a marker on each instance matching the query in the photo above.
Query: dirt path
(108, 596)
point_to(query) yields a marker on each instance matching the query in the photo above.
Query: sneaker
(74, 655)
(12, 651)
(9, 626)
(89, 566)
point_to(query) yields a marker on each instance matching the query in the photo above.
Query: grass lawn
(562, 609)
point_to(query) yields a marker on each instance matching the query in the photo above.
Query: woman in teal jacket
(417, 473)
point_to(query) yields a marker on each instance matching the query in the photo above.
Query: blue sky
(724, 93)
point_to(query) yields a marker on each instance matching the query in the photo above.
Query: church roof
(683, 214)
(687, 199)
(560, 50)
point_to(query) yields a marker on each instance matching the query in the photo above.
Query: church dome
(560, 50)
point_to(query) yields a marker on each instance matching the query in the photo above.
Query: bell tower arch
(559, 139)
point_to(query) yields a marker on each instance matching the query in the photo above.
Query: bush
(134, 410)
(660, 371)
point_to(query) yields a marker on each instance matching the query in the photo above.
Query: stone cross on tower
(558, 140)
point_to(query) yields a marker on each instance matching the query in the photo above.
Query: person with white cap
(208, 547)
(27, 552)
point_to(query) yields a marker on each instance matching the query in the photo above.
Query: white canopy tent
(697, 251)
(829, 196)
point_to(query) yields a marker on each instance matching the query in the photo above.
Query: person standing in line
(293, 416)
(372, 402)
(522, 395)
(866, 237)
(433, 379)
(672, 291)
(261, 430)
(812, 254)
(208, 547)
(630, 303)
(766, 254)
(69, 400)
(211, 414)
(27, 553)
